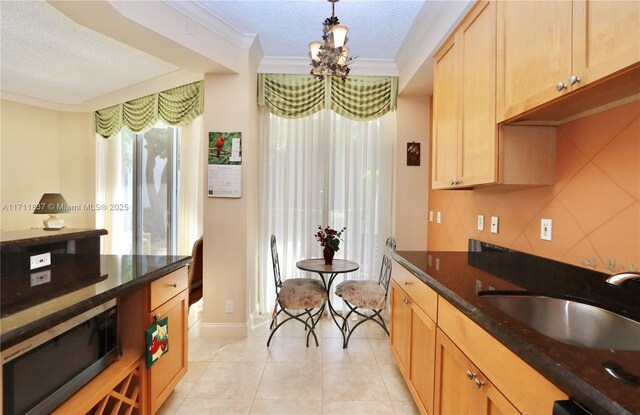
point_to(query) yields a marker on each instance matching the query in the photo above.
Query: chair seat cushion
(362, 293)
(302, 293)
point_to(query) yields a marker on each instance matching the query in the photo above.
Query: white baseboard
(234, 330)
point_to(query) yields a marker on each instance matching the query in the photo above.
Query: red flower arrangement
(329, 237)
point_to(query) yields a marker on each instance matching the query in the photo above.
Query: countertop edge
(29, 330)
(564, 379)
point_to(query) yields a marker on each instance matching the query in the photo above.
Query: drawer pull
(479, 383)
(174, 285)
(408, 283)
(470, 375)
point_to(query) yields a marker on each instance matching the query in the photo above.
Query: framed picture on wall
(413, 154)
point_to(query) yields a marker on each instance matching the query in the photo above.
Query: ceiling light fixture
(331, 56)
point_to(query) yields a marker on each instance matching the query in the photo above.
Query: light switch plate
(39, 261)
(480, 222)
(546, 227)
(494, 224)
(438, 217)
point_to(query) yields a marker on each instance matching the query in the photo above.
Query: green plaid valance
(357, 98)
(177, 106)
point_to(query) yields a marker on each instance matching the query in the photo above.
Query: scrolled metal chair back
(276, 264)
(385, 269)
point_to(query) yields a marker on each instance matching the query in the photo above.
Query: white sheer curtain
(190, 186)
(324, 170)
(114, 175)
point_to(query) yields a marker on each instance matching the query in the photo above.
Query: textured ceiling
(376, 28)
(46, 55)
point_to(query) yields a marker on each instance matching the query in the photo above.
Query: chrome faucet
(619, 279)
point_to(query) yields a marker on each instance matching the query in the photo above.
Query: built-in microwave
(40, 373)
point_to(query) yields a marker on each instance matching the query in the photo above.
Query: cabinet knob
(174, 285)
(405, 300)
(408, 283)
(470, 375)
(479, 383)
(156, 317)
(560, 86)
(453, 182)
(573, 79)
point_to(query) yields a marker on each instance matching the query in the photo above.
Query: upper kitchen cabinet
(465, 133)
(469, 148)
(547, 49)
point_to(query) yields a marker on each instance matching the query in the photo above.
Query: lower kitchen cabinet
(413, 334)
(461, 388)
(170, 297)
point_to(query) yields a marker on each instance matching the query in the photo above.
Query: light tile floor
(244, 376)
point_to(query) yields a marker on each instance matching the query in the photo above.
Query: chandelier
(331, 56)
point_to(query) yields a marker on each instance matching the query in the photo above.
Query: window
(324, 169)
(138, 186)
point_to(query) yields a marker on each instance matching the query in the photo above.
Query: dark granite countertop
(578, 371)
(27, 309)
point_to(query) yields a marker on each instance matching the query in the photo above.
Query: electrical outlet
(545, 229)
(480, 222)
(228, 306)
(494, 224)
(39, 261)
(40, 277)
(438, 217)
(431, 216)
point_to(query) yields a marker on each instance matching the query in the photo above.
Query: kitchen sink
(570, 322)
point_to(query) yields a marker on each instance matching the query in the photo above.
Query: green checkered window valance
(177, 106)
(357, 98)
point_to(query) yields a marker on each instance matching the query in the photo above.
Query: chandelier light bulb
(339, 35)
(314, 49)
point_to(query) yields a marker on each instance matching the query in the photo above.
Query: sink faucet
(619, 279)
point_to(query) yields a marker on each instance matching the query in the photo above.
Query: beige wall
(230, 225)
(45, 151)
(411, 182)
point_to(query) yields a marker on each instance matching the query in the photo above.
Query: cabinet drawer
(527, 389)
(165, 288)
(420, 293)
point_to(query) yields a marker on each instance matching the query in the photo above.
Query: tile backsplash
(594, 203)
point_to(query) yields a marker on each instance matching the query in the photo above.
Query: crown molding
(362, 67)
(40, 103)
(204, 16)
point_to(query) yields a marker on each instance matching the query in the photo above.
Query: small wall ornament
(413, 154)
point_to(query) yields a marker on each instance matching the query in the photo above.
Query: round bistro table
(328, 273)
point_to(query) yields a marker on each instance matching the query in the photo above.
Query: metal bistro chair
(368, 294)
(303, 295)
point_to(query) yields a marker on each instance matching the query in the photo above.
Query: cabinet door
(455, 392)
(422, 365)
(446, 114)
(533, 55)
(477, 43)
(606, 38)
(165, 374)
(400, 327)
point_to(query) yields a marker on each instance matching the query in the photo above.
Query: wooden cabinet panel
(461, 388)
(168, 286)
(422, 362)
(606, 38)
(400, 327)
(165, 374)
(477, 43)
(533, 53)
(416, 289)
(446, 113)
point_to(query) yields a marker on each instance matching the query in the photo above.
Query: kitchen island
(74, 280)
(457, 279)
